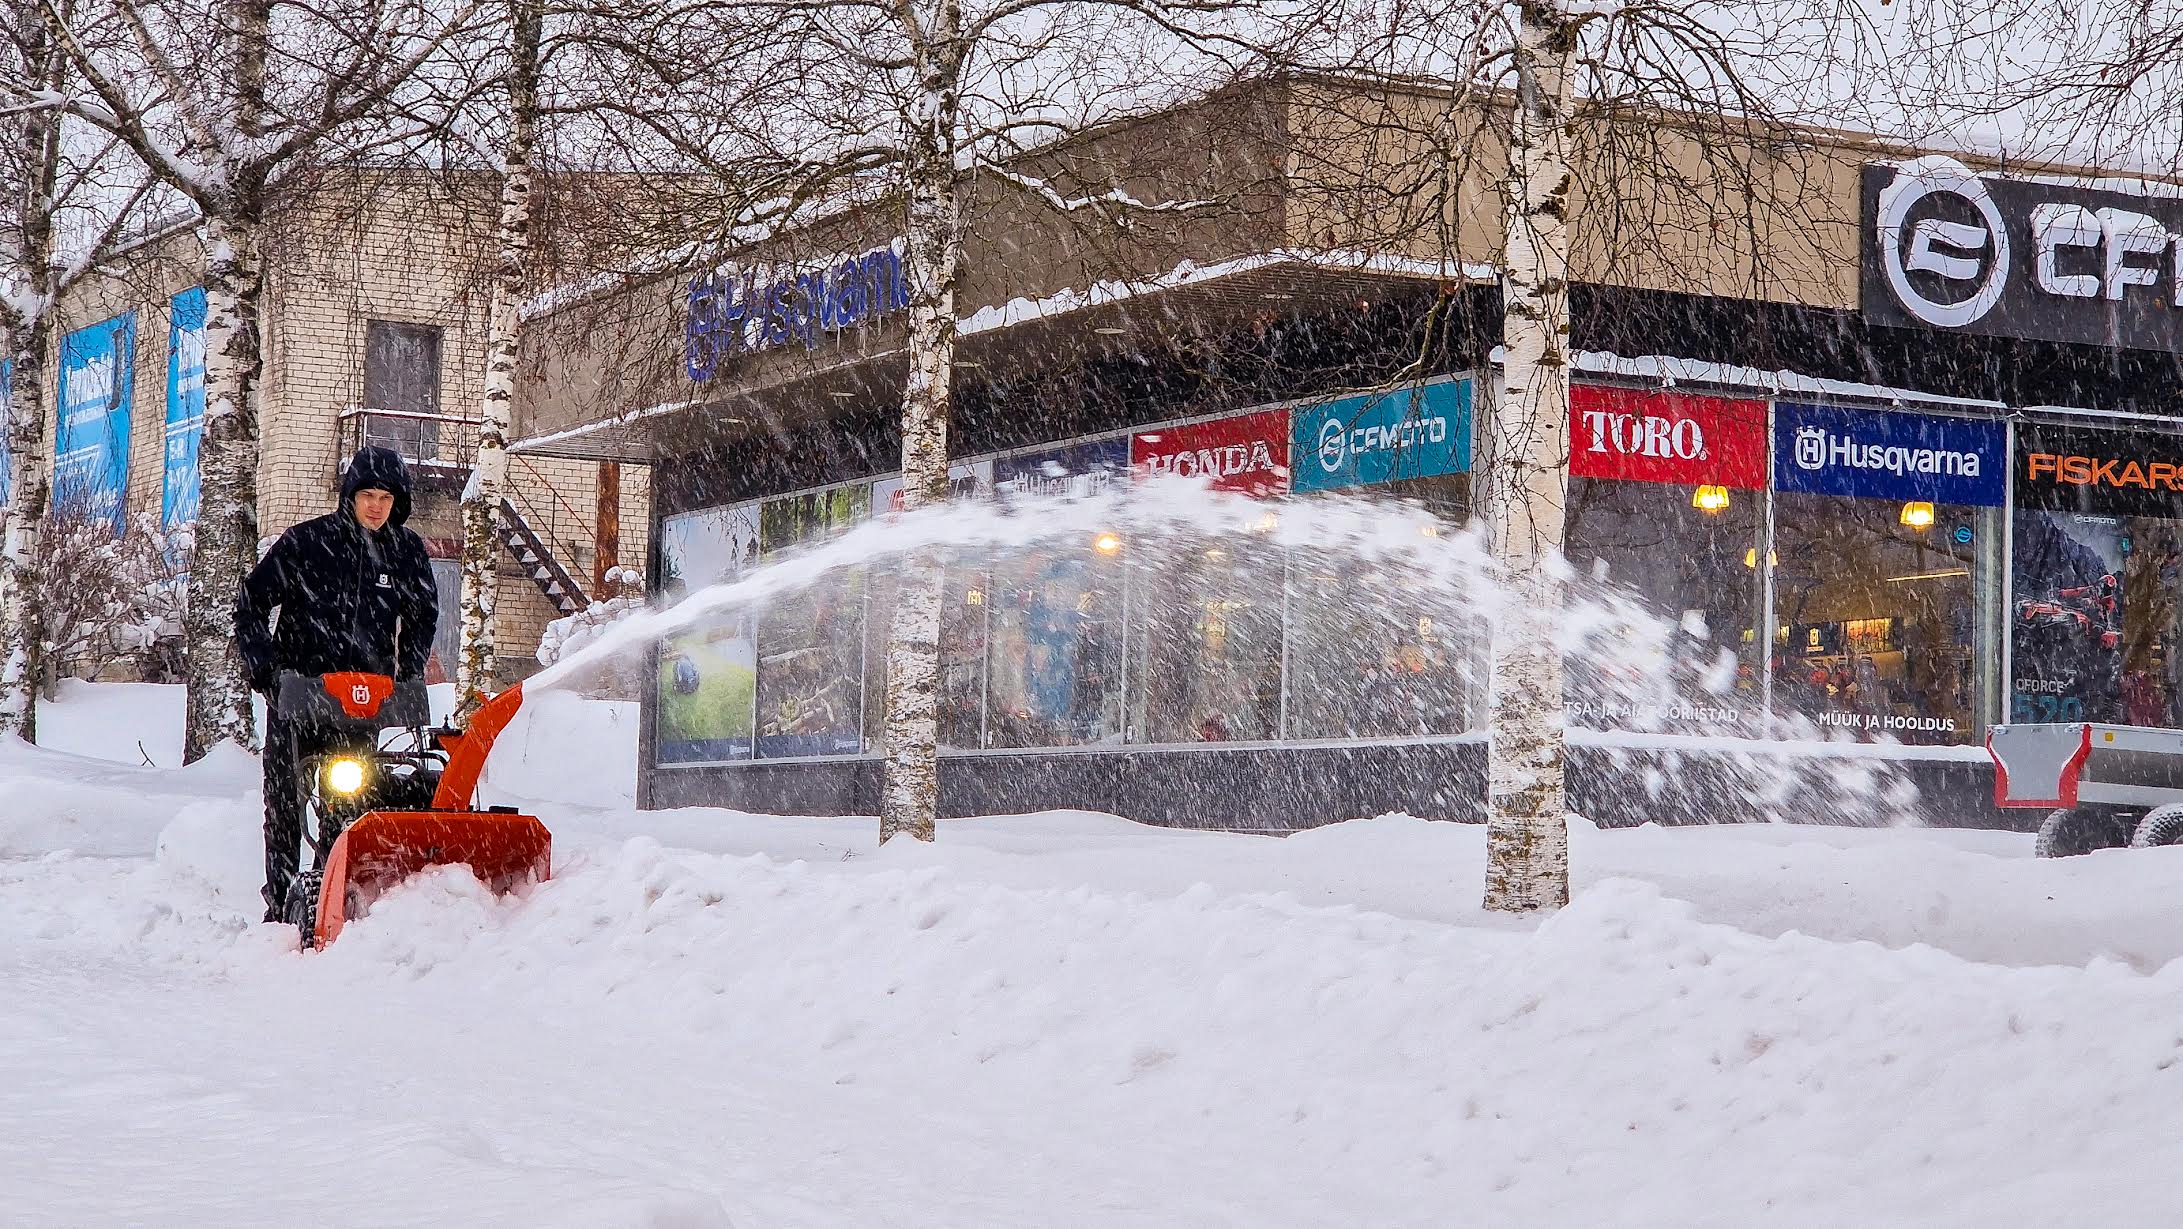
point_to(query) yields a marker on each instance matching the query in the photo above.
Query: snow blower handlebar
(467, 749)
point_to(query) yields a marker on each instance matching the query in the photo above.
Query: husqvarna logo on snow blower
(360, 695)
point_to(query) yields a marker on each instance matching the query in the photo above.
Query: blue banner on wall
(91, 440)
(1381, 437)
(1828, 450)
(7, 425)
(1080, 470)
(185, 406)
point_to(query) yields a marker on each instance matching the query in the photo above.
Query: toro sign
(1666, 437)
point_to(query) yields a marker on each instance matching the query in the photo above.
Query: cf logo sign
(1955, 252)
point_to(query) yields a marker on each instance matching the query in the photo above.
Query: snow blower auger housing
(2103, 786)
(392, 796)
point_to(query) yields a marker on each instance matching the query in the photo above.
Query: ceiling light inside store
(1751, 558)
(1107, 543)
(841, 394)
(1918, 514)
(1111, 331)
(1710, 499)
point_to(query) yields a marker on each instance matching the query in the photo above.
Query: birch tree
(487, 486)
(1527, 834)
(905, 107)
(230, 108)
(1657, 102)
(47, 186)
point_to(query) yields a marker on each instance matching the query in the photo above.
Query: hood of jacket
(381, 469)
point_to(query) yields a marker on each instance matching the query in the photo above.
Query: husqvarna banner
(1414, 432)
(1645, 436)
(91, 440)
(1830, 450)
(185, 406)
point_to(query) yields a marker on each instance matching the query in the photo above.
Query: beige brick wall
(404, 253)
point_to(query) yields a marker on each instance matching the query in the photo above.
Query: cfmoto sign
(1948, 249)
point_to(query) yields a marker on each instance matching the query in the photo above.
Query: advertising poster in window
(1416, 432)
(185, 407)
(91, 439)
(2095, 631)
(709, 673)
(1887, 538)
(1077, 472)
(1247, 454)
(810, 642)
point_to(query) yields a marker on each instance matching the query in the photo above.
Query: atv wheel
(2161, 826)
(2071, 831)
(301, 910)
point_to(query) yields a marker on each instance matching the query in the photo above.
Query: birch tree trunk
(910, 796)
(218, 699)
(1527, 831)
(24, 327)
(489, 477)
(29, 447)
(218, 696)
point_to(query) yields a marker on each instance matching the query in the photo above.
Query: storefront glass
(1370, 653)
(1209, 611)
(2095, 633)
(810, 691)
(1667, 504)
(1888, 538)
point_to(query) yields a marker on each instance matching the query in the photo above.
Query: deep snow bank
(713, 1019)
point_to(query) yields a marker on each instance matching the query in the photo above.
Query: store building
(374, 318)
(1901, 459)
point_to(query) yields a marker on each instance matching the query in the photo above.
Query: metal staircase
(538, 562)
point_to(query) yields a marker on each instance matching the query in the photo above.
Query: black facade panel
(1283, 789)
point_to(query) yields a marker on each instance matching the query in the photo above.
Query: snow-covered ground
(710, 1019)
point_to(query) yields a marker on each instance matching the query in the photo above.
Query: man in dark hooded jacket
(355, 593)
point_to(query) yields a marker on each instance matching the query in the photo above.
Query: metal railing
(440, 448)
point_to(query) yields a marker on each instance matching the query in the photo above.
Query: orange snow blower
(388, 805)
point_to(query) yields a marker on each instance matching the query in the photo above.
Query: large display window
(1210, 612)
(1888, 541)
(2094, 627)
(1370, 655)
(1667, 503)
(810, 642)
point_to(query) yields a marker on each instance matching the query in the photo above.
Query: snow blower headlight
(345, 776)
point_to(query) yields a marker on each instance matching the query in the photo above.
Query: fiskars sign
(1644, 436)
(2110, 473)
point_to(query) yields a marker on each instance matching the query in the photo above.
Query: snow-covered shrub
(111, 603)
(566, 636)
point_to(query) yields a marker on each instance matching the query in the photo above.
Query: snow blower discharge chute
(391, 796)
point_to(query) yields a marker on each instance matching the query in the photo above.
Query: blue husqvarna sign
(1829, 450)
(1415, 432)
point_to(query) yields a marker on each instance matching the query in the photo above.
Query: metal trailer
(2103, 786)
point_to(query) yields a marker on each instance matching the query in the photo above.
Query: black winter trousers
(287, 744)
